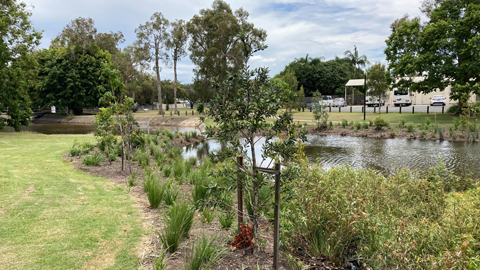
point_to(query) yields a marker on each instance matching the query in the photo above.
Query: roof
(355, 82)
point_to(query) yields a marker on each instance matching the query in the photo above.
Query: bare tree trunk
(255, 187)
(175, 83)
(159, 86)
(127, 132)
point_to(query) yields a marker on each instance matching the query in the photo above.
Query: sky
(295, 28)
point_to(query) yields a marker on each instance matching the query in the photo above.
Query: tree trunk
(255, 187)
(175, 83)
(159, 86)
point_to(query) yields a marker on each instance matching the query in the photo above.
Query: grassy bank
(55, 217)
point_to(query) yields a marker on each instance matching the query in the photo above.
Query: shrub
(167, 171)
(200, 191)
(392, 134)
(178, 168)
(401, 123)
(155, 190)
(453, 109)
(75, 151)
(131, 179)
(208, 215)
(226, 219)
(344, 123)
(142, 157)
(177, 225)
(422, 134)
(410, 127)
(171, 194)
(379, 123)
(187, 136)
(93, 160)
(169, 134)
(358, 125)
(200, 108)
(370, 122)
(205, 254)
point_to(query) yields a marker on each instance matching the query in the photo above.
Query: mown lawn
(55, 217)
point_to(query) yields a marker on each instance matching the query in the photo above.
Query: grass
(205, 254)
(55, 217)
(155, 190)
(177, 226)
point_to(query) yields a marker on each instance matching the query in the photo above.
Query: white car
(374, 101)
(438, 100)
(339, 102)
(326, 101)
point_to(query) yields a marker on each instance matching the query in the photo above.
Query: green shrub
(410, 127)
(422, 134)
(142, 156)
(131, 179)
(379, 123)
(93, 160)
(155, 190)
(169, 134)
(177, 225)
(453, 109)
(187, 135)
(401, 123)
(226, 219)
(75, 151)
(171, 194)
(344, 123)
(358, 125)
(200, 193)
(370, 122)
(205, 254)
(167, 171)
(178, 168)
(208, 215)
(200, 108)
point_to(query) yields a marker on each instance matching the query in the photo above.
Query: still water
(382, 155)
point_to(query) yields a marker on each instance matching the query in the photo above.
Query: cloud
(295, 27)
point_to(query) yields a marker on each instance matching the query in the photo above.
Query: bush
(200, 193)
(401, 123)
(178, 168)
(208, 215)
(379, 123)
(406, 219)
(200, 108)
(171, 194)
(410, 127)
(226, 219)
(177, 226)
(155, 190)
(93, 160)
(142, 157)
(453, 109)
(167, 171)
(204, 254)
(344, 123)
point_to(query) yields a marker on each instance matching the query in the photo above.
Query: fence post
(428, 109)
(193, 113)
(186, 113)
(276, 216)
(400, 110)
(310, 108)
(329, 109)
(386, 109)
(339, 109)
(170, 113)
(374, 109)
(239, 194)
(413, 109)
(362, 108)
(443, 109)
(350, 108)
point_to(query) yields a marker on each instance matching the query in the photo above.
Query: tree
(70, 82)
(218, 36)
(17, 66)
(355, 60)
(444, 50)
(175, 45)
(377, 82)
(151, 38)
(109, 41)
(253, 98)
(79, 32)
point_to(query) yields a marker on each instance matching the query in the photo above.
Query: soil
(152, 222)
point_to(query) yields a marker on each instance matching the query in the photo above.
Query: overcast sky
(294, 27)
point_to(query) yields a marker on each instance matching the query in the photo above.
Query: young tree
(17, 66)
(377, 82)
(151, 38)
(320, 113)
(444, 50)
(175, 45)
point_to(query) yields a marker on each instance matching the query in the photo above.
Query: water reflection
(382, 155)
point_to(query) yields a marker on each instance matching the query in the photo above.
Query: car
(326, 101)
(438, 100)
(339, 102)
(374, 101)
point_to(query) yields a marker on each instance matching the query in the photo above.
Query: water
(63, 128)
(382, 155)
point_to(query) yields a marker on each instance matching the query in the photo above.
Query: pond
(382, 155)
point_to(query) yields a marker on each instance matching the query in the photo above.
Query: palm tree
(356, 61)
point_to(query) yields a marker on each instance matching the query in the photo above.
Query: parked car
(327, 101)
(374, 101)
(339, 102)
(438, 100)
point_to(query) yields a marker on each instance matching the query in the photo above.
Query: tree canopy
(218, 36)
(445, 49)
(17, 66)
